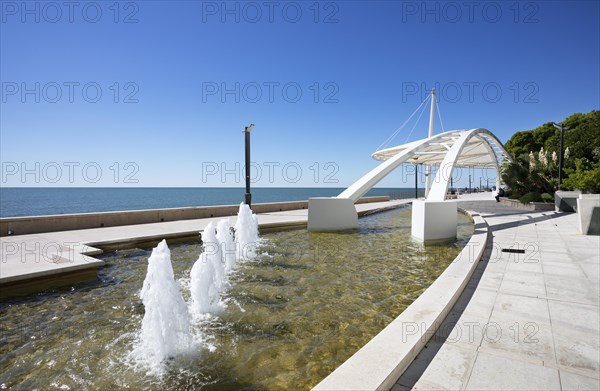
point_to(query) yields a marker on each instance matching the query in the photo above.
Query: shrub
(531, 197)
(546, 197)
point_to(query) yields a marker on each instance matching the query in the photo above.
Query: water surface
(293, 315)
(31, 201)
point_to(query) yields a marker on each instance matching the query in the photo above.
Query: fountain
(292, 316)
(165, 327)
(226, 238)
(222, 249)
(208, 276)
(246, 234)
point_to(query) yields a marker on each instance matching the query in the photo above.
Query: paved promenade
(527, 321)
(25, 257)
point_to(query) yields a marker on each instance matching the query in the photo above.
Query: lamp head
(249, 128)
(559, 126)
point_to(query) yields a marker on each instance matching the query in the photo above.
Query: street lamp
(247, 131)
(416, 178)
(560, 155)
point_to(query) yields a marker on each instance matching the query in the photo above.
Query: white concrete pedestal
(331, 214)
(588, 211)
(434, 220)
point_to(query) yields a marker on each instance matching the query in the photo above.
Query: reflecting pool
(293, 314)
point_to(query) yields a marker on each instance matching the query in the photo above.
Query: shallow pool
(293, 315)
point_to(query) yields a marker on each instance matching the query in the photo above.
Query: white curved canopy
(476, 151)
(457, 148)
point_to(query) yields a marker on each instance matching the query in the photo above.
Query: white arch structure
(448, 150)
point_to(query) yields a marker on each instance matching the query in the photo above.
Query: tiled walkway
(527, 321)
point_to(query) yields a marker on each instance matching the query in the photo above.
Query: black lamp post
(416, 181)
(247, 131)
(561, 152)
(416, 177)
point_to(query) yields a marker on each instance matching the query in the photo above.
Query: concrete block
(331, 214)
(588, 211)
(566, 201)
(434, 220)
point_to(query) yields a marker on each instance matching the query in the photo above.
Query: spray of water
(223, 248)
(246, 234)
(226, 239)
(165, 329)
(207, 277)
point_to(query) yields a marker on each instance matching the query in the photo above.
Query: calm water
(293, 315)
(46, 201)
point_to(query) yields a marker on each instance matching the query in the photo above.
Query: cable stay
(440, 117)
(395, 133)
(421, 110)
(416, 123)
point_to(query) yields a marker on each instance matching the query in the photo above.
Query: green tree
(521, 143)
(583, 141)
(585, 176)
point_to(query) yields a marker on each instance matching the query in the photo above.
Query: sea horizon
(41, 201)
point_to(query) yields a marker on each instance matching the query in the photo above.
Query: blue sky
(156, 93)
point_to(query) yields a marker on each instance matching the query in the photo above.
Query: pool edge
(380, 362)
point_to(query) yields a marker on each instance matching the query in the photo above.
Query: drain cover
(513, 250)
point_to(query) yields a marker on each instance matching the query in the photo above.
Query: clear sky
(157, 93)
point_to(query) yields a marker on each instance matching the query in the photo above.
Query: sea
(39, 201)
